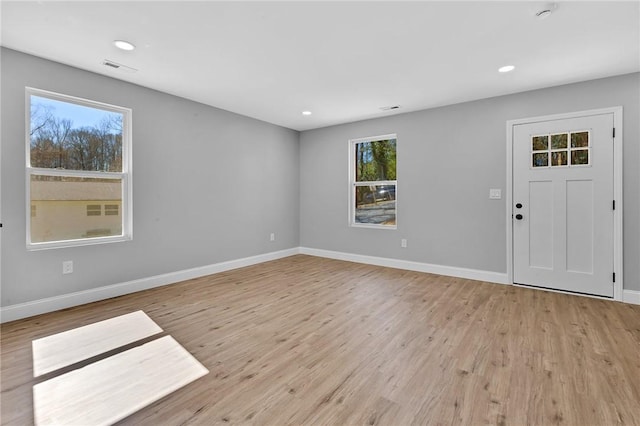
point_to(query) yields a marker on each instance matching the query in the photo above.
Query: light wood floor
(305, 340)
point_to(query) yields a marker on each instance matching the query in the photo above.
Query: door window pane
(540, 159)
(559, 158)
(580, 156)
(559, 141)
(540, 143)
(579, 140)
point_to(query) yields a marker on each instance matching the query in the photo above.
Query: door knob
(518, 206)
(519, 216)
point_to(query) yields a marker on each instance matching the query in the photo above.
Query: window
(372, 164)
(78, 158)
(565, 149)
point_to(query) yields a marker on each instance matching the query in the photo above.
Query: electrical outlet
(67, 267)
(272, 237)
(403, 243)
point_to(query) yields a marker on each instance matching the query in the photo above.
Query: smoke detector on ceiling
(116, 66)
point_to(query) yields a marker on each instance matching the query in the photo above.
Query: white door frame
(617, 189)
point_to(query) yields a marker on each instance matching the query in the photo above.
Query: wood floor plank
(305, 340)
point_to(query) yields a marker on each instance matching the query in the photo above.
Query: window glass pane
(540, 143)
(559, 141)
(559, 158)
(579, 140)
(540, 159)
(376, 204)
(65, 206)
(69, 136)
(580, 156)
(375, 160)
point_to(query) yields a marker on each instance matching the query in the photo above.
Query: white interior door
(563, 212)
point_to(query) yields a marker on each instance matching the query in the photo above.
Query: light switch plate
(495, 194)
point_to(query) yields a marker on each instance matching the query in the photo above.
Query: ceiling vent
(116, 66)
(389, 108)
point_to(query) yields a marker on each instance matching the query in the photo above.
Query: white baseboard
(473, 274)
(631, 296)
(50, 304)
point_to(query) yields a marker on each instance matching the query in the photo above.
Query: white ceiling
(340, 60)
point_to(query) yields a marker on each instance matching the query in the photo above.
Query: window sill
(78, 243)
(373, 226)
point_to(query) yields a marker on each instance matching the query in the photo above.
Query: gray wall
(448, 158)
(208, 186)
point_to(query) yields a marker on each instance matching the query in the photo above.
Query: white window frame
(353, 184)
(124, 175)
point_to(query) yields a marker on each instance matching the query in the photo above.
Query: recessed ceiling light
(124, 45)
(306, 112)
(506, 68)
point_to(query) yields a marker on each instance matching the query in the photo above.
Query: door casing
(617, 190)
